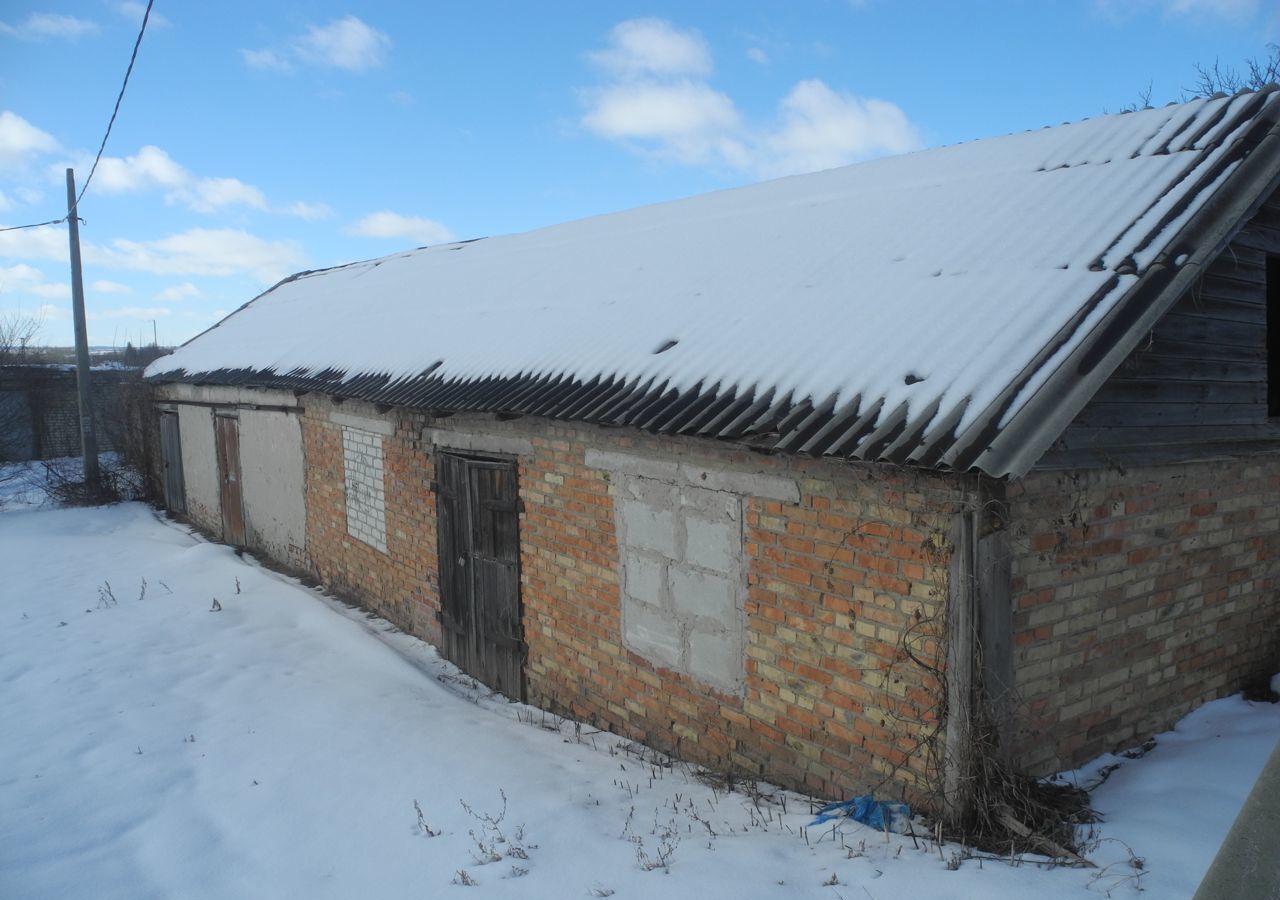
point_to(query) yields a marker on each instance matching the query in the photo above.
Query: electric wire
(133, 57)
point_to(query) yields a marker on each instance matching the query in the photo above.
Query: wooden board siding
(1198, 387)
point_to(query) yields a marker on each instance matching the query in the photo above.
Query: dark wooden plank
(1237, 256)
(227, 432)
(1264, 240)
(1156, 367)
(496, 570)
(1156, 415)
(995, 624)
(1083, 436)
(455, 603)
(1197, 329)
(175, 497)
(1225, 294)
(1241, 264)
(1151, 454)
(1121, 390)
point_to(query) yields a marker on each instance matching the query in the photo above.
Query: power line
(114, 112)
(35, 224)
(133, 57)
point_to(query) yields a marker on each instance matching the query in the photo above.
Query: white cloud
(266, 58)
(194, 252)
(151, 168)
(25, 279)
(650, 46)
(212, 194)
(40, 315)
(310, 212)
(49, 242)
(51, 312)
(1233, 10)
(144, 313)
(21, 141)
(39, 26)
(347, 43)
(686, 120)
(202, 251)
(387, 224)
(1229, 9)
(177, 292)
(102, 286)
(756, 55)
(822, 129)
(5, 203)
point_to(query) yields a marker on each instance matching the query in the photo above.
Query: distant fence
(40, 412)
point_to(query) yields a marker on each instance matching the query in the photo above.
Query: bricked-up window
(366, 503)
(683, 581)
(1273, 336)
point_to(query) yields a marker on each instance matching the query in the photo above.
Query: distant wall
(40, 410)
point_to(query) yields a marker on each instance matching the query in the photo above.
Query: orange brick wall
(399, 585)
(829, 705)
(1138, 596)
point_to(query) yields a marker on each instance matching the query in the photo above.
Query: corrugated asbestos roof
(952, 307)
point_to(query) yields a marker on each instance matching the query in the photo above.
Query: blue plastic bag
(882, 815)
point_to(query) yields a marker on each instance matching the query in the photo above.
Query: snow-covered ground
(180, 722)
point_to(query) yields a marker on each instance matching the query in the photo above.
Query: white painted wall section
(273, 475)
(200, 466)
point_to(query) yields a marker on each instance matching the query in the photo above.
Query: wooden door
(227, 432)
(479, 541)
(175, 494)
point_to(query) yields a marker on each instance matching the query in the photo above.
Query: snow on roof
(881, 310)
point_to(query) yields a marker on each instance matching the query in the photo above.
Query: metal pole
(88, 437)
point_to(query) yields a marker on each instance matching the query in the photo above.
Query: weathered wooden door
(479, 541)
(227, 432)
(175, 493)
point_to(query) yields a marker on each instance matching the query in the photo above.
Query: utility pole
(88, 437)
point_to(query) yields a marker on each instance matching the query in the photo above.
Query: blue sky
(256, 140)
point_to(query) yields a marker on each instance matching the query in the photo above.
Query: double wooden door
(479, 542)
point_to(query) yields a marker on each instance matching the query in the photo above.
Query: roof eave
(1013, 449)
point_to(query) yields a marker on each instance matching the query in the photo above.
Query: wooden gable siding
(1196, 389)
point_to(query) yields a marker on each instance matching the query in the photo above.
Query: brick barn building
(805, 479)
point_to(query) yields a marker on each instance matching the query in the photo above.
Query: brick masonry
(833, 586)
(1137, 596)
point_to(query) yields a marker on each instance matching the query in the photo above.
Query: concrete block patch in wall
(683, 574)
(648, 527)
